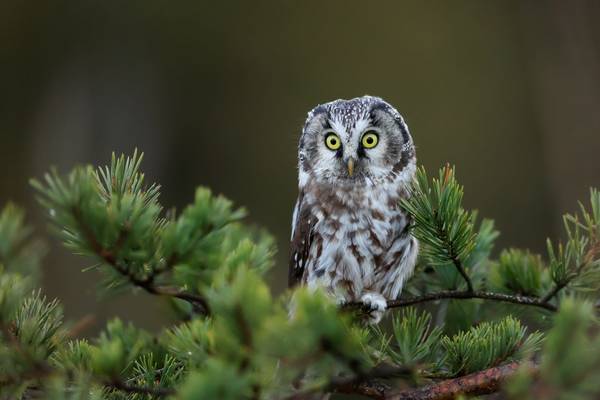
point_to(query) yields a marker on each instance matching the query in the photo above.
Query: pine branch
(440, 223)
(373, 390)
(41, 370)
(458, 264)
(589, 258)
(448, 175)
(479, 383)
(564, 283)
(117, 222)
(146, 390)
(461, 294)
(365, 384)
(199, 304)
(554, 291)
(247, 341)
(582, 247)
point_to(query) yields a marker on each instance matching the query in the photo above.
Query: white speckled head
(362, 141)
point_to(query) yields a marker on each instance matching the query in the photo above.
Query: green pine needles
(440, 221)
(467, 324)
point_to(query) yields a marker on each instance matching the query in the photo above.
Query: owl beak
(350, 166)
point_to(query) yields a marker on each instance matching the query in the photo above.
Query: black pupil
(333, 141)
(369, 140)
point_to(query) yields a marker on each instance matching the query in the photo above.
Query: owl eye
(369, 140)
(332, 141)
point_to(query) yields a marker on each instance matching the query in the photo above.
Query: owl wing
(303, 222)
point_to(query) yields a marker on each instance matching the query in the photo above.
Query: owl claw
(340, 301)
(377, 305)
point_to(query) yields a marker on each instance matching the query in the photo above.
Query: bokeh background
(215, 93)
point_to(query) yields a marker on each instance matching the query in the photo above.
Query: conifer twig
(42, 369)
(363, 383)
(146, 390)
(199, 304)
(462, 294)
(589, 257)
(458, 264)
(554, 291)
(479, 383)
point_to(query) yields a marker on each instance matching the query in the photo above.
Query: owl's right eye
(332, 141)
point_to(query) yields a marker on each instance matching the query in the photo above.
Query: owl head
(362, 141)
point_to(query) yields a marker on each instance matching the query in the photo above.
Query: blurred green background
(215, 93)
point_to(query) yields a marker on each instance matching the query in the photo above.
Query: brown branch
(459, 294)
(479, 383)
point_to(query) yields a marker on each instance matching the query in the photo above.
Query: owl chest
(353, 237)
(369, 229)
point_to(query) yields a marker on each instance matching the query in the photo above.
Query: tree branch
(557, 288)
(458, 264)
(587, 259)
(479, 383)
(364, 384)
(367, 384)
(199, 304)
(461, 294)
(42, 369)
(147, 390)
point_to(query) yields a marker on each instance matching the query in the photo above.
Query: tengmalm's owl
(356, 160)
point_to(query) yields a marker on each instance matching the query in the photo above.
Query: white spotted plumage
(349, 234)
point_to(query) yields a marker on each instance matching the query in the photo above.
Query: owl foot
(340, 301)
(377, 305)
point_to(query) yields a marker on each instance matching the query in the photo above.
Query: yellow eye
(370, 140)
(332, 141)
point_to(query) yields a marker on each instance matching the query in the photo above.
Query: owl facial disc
(362, 141)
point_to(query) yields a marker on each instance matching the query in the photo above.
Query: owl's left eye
(369, 140)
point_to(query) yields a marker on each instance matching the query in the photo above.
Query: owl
(356, 160)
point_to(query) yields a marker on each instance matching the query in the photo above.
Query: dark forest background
(215, 93)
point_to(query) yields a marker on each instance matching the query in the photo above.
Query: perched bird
(356, 160)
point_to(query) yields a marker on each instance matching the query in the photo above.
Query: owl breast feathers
(356, 159)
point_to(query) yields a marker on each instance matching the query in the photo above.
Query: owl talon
(377, 305)
(340, 301)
